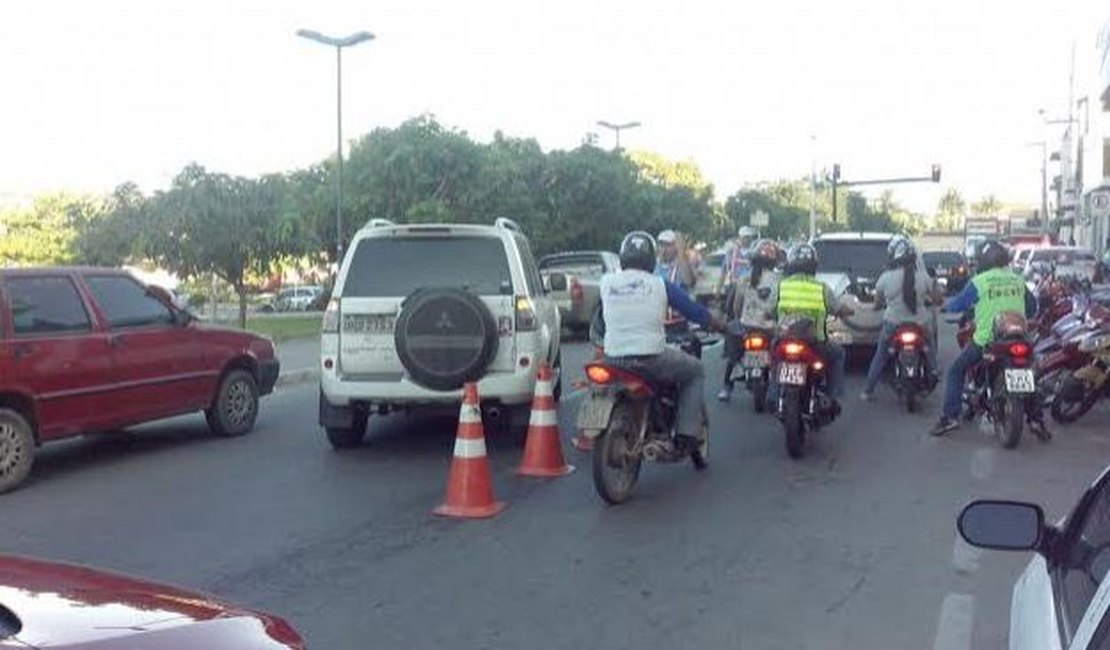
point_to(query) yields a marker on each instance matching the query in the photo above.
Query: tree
(226, 225)
(44, 233)
(988, 206)
(112, 235)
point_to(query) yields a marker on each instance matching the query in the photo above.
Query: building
(1092, 172)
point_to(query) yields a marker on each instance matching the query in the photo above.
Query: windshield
(397, 266)
(866, 259)
(588, 267)
(942, 258)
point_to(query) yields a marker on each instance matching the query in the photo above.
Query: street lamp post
(1044, 183)
(338, 44)
(616, 129)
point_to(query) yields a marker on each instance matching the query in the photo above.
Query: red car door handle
(115, 340)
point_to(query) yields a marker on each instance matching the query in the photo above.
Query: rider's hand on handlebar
(716, 324)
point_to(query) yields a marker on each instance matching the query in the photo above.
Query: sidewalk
(299, 360)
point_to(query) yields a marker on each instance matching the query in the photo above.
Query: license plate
(369, 323)
(1019, 380)
(594, 413)
(757, 359)
(792, 374)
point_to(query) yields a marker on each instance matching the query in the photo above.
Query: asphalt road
(852, 547)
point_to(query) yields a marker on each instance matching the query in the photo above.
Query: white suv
(419, 310)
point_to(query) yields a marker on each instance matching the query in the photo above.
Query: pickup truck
(573, 280)
(85, 350)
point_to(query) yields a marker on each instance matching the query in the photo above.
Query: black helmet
(765, 253)
(638, 251)
(802, 258)
(992, 255)
(900, 251)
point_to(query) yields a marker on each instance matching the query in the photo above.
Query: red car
(85, 350)
(48, 605)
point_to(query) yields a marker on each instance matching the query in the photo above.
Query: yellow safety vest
(803, 295)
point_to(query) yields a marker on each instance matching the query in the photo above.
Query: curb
(299, 376)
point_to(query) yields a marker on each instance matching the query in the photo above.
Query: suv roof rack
(379, 223)
(508, 224)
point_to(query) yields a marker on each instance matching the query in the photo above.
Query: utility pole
(616, 129)
(812, 186)
(1044, 183)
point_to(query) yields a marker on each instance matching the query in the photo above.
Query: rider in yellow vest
(800, 293)
(995, 289)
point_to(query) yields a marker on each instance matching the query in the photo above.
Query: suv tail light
(331, 317)
(525, 314)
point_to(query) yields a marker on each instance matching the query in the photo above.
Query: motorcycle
(631, 419)
(1082, 388)
(1002, 387)
(909, 375)
(755, 366)
(803, 401)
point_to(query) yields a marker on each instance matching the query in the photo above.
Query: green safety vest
(803, 295)
(999, 290)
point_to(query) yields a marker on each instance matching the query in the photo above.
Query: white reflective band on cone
(544, 389)
(543, 418)
(465, 448)
(469, 414)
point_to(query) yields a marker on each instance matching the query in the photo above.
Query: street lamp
(616, 129)
(1044, 183)
(338, 44)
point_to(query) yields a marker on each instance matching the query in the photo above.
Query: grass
(284, 327)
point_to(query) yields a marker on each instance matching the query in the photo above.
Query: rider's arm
(833, 305)
(679, 301)
(962, 301)
(1030, 304)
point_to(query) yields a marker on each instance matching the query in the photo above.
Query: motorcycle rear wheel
(616, 471)
(792, 424)
(700, 456)
(911, 400)
(1009, 419)
(759, 395)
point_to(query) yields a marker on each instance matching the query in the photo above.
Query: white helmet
(747, 232)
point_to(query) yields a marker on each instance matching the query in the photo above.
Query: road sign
(760, 219)
(981, 226)
(1100, 203)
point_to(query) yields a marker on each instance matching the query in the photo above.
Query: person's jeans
(734, 349)
(882, 354)
(956, 377)
(685, 372)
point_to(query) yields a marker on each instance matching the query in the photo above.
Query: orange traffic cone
(543, 454)
(469, 486)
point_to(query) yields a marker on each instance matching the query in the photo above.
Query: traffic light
(836, 171)
(936, 173)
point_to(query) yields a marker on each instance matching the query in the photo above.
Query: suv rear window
(856, 258)
(584, 266)
(385, 267)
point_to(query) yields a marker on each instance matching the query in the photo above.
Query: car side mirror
(1002, 525)
(558, 281)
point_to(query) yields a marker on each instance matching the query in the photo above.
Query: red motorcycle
(909, 374)
(801, 372)
(1002, 387)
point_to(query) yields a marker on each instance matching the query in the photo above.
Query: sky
(97, 92)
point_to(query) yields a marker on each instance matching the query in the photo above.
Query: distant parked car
(950, 269)
(51, 605)
(85, 350)
(299, 298)
(709, 276)
(1062, 599)
(573, 280)
(1063, 261)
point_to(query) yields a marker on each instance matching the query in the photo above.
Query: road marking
(982, 463)
(957, 614)
(965, 557)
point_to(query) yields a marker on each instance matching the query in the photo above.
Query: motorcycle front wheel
(1066, 411)
(616, 467)
(792, 424)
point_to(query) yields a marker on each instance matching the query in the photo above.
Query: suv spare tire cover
(445, 337)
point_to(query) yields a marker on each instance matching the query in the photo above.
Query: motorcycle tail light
(908, 338)
(1019, 350)
(792, 349)
(755, 343)
(599, 374)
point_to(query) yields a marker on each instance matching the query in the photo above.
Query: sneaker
(866, 396)
(943, 426)
(1038, 429)
(725, 394)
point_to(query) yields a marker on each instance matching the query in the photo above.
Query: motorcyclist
(736, 266)
(906, 295)
(634, 303)
(993, 290)
(751, 304)
(801, 294)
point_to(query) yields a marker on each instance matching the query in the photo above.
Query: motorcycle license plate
(1019, 380)
(792, 374)
(758, 359)
(594, 413)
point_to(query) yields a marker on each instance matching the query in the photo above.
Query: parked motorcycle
(1082, 388)
(631, 419)
(1002, 387)
(803, 401)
